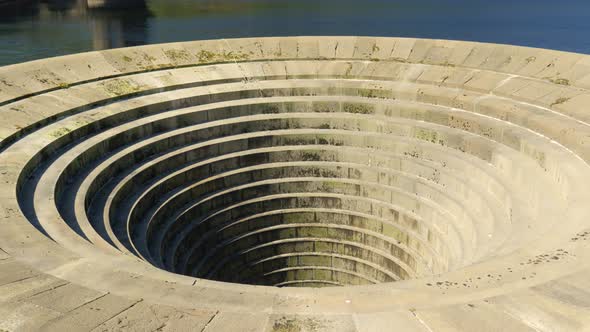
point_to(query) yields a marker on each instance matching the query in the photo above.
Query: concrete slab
(310, 323)
(23, 289)
(296, 184)
(149, 317)
(90, 315)
(22, 316)
(65, 298)
(13, 271)
(247, 322)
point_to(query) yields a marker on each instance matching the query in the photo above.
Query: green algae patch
(298, 217)
(178, 56)
(310, 156)
(560, 81)
(205, 56)
(144, 61)
(325, 106)
(426, 135)
(297, 325)
(60, 132)
(318, 232)
(367, 93)
(335, 186)
(357, 108)
(375, 93)
(235, 56)
(560, 101)
(120, 87)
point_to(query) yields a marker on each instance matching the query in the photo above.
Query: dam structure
(296, 184)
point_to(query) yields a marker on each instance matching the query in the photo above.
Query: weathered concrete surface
(442, 184)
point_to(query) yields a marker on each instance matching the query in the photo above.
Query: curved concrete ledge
(296, 184)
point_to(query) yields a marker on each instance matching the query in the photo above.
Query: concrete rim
(536, 95)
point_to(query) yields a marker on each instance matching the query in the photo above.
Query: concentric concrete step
(296, 184)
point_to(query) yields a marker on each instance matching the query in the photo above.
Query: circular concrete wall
(442, 184)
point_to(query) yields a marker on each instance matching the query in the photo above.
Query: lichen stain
(297, 325)
(120, 87)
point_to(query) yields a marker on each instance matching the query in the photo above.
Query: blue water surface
(56, 27)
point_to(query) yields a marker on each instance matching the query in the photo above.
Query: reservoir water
(56, 27)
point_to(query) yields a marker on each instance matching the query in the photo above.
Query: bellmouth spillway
(297, 184)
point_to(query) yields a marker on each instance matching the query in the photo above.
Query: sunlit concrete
(296, 184)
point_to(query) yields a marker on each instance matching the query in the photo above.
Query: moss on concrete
(358, 108)
(60, 132)
(310, 156)
(120, 87)
(205, 56)
(560, 81)
(178, 56)
(286, 325)
(559, 101)
(426, 135)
